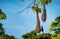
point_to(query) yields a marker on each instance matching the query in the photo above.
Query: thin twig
(26, 7)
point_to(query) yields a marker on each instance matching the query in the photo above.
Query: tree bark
(38, 28)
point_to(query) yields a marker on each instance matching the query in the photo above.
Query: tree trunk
(38, 28)
(44, 14)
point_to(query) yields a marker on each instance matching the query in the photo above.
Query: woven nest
(43, 16)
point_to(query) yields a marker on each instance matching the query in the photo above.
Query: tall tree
(43, 3)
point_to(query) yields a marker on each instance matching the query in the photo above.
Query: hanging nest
(37, 29)
(43, 16)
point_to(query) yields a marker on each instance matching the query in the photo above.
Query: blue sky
(19, 24)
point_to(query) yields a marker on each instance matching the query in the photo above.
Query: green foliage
(2, 32)
(57, 19)
(42, 2)
(57, 30)
(3, 35)
(2, 15)
(44, 36)
(41, 36)
(55, 24)
(35, 8)
(55, 36)
(33, 35)
(7, 37)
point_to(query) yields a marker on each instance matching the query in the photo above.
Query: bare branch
(26, 7)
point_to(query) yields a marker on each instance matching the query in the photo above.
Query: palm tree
(43, 3)
(35, 8)
(2, 15)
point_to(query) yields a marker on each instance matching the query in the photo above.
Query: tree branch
(26, 7)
